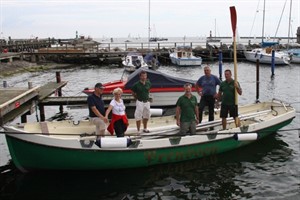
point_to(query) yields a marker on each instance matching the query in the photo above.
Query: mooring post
(4, 84)
(42, 112)
(59, 93)
(273, 63)
(29, 85)
(257, 81)
(220, 64)
(24, 118)
(211, 54)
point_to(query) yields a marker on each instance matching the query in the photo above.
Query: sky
(123, 18)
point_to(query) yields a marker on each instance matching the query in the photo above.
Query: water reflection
(216, 177)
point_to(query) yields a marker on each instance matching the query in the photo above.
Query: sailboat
(211, 38)
(264, 54)
(293, 52)
(150, 59)
(155, 38)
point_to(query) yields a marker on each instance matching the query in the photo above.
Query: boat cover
(157, 79)
(268, 44)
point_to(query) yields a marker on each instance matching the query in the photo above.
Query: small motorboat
(134, 61)
(184, 56)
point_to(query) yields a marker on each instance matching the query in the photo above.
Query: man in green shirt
(140, 91)
(227, 96)
(187, 112)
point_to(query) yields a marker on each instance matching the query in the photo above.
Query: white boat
(65, 145)
(295, 55)
(184, 56)
(264, 55)
(133, 61)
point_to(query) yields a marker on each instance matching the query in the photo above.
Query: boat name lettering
(178, 155)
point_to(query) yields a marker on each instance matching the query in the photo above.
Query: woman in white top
(119, 121)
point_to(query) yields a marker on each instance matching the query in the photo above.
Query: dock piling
(58, 80)
(257, 81)
(4, 84)
(29, 85)
(273, 63)
(220, 64)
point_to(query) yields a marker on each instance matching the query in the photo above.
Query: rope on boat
(204, 133)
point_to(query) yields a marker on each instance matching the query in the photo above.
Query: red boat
(164, 92)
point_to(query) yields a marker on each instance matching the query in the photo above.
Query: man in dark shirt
(97, 109)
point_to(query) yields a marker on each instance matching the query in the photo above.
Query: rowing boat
(70, 145)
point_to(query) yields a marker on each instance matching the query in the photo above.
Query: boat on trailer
(69, 145)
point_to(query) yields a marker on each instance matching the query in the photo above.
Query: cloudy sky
(119, 18)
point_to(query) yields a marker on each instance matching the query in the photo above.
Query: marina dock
(86, 50)
(16, 102)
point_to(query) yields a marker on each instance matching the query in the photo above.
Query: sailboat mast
(289, 23)
(149, 26)
(215, 28)
(263, 26)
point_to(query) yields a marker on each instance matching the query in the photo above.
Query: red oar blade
(233, 19)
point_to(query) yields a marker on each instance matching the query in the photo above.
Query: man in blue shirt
(206, 87)
(97, 109)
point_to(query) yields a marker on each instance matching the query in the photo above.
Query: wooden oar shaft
(235, 70)
(206, 125)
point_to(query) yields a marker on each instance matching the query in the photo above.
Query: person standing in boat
(140, 91)
(206, 88)
(226, 95)
(119, 121)
(97, 110)
(187, 112)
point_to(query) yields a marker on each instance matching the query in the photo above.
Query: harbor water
(267, 169)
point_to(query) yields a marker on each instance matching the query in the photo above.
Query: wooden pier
(16, 102)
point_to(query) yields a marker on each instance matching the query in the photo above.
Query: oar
(201, 127)
(233, 25)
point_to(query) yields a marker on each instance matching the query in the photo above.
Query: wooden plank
(17, 97)
(24, 108)
(50, 88)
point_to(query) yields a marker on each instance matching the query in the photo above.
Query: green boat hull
(30, 156)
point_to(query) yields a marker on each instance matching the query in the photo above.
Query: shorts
(100, 124)
(186, 127)
(231, 109)
(142, 110)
